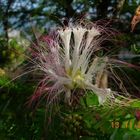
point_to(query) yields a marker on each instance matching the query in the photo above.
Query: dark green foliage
(89, 121)
(17, 121)
(11, 53)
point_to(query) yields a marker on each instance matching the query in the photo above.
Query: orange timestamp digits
(115, 124)
(128, 124)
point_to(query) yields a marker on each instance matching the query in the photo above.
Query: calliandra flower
(137, 114)
(70, 65)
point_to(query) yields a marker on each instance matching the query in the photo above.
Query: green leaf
(136, 104)
(91, 99)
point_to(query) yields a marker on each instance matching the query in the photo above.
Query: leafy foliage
(89, 121)
(11, 53)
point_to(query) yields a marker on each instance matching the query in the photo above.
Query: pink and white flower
(68, 62)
